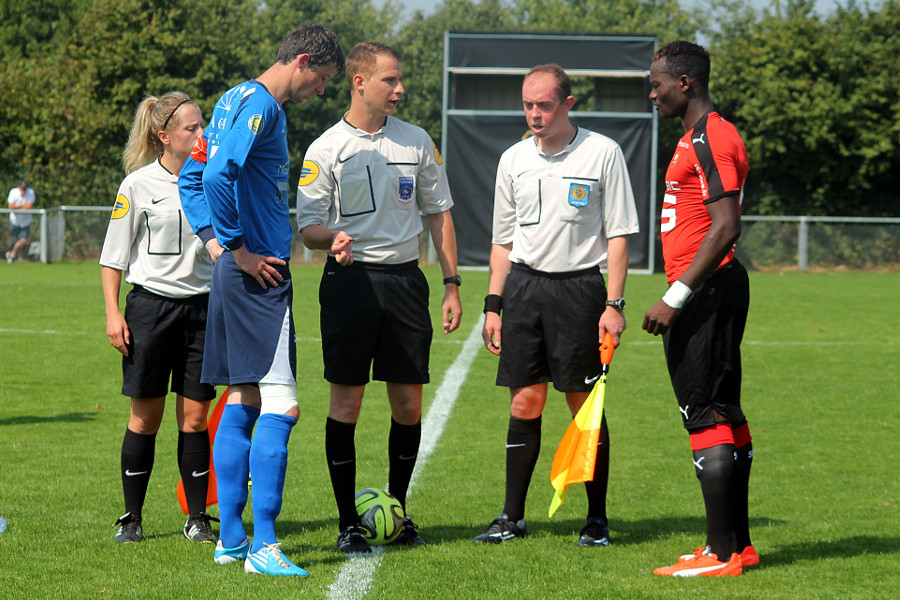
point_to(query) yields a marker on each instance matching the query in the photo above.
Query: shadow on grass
(843, 548)
(621, 533)
(75, 417)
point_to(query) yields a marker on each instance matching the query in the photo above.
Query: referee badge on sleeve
(120, 208)
(407, 185)
(579, 194)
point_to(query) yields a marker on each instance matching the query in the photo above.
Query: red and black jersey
(710, 162)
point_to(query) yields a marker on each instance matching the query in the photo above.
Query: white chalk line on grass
(355, 577)
(628, 340)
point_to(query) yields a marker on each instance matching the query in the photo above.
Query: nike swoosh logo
(196, 474)
(134, 473)
(158, 200)
(515, 445)
(343, 160)
(413, 457)
(590, 380)
(343, 462)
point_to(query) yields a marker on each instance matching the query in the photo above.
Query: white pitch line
(629, 341)
(355, 577)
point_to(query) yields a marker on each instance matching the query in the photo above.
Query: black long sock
(740, 483)
(138, 452)
(523, 444)
(714, 468)
(596, 489)
(193, 463)
(403, 448)
(340, 451)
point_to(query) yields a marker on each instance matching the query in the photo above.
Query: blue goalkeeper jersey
(242, 189)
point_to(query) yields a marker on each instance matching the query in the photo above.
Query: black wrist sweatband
(493, 303)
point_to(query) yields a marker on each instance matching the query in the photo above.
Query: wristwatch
(617, 304)
(455, 279)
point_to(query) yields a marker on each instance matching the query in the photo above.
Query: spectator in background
(21, 198)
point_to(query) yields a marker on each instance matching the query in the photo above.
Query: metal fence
(771, 242)
(819, 242)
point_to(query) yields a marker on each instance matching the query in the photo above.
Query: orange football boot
(749, 557)
(702, 563)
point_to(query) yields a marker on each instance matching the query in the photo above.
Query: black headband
(166, 122)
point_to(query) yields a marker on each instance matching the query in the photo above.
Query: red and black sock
(713, 450)
(743, 460)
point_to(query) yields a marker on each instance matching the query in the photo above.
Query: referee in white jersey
(163, 329)
(363, 185)
(563, 208)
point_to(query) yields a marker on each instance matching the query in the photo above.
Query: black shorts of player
(550, 328)
(375, 316)
(703, 349)
(167, 337)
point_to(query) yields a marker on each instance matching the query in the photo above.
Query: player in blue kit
(235, 186)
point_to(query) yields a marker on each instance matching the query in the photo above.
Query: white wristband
(677, 294)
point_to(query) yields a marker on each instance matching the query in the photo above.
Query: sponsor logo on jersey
(255, 123)
(437, 155)
(199, 151)
(308, 172)
(579, 194)
(120, 208)
(406, 188)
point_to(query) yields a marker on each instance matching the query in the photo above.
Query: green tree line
(813, 96)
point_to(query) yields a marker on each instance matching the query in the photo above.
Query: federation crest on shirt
(255, 123)
(579, 194)
(407, 185)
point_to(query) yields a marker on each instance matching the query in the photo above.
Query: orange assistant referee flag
(576, 455)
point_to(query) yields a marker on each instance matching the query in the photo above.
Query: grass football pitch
(820, 392)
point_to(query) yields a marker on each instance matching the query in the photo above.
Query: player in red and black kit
(702, 315)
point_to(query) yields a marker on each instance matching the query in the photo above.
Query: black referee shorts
(703, 348)
(167, 337)
(550, 328)
(375, 317)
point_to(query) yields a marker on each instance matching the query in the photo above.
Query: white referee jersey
(151, 241)
(559, 211)
(372, 186)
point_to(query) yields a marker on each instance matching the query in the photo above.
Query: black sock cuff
(339, 427)
(524, 426)
(193, 441)
(138, 443)
(397, 424)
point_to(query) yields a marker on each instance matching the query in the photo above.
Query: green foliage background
(816, 98)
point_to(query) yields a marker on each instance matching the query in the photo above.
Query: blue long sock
(268, 463)
(231, 455)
